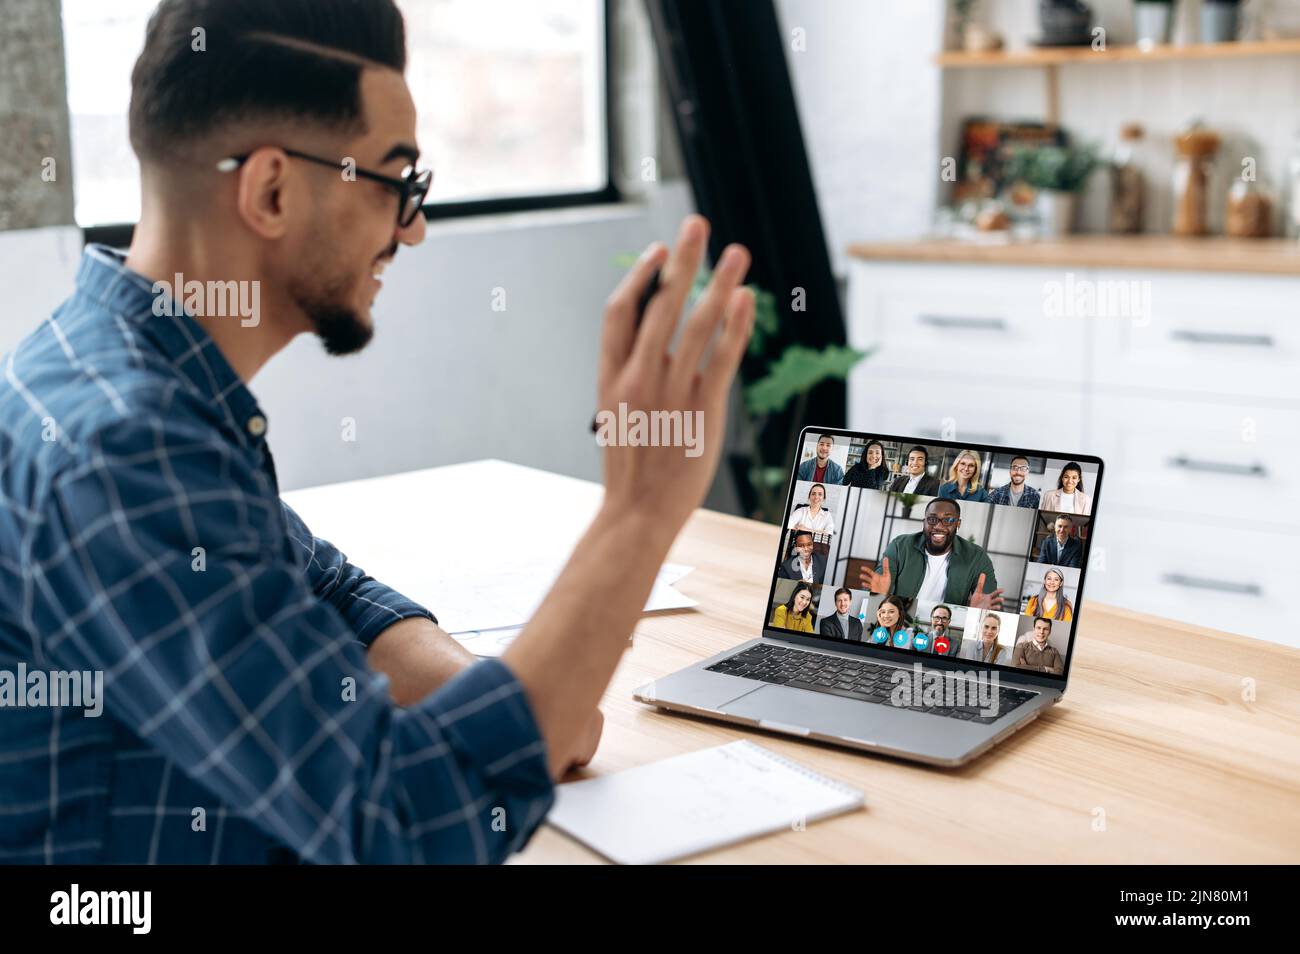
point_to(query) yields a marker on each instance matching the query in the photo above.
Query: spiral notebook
(696, 802)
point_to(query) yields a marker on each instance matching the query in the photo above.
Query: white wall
(37, 268)
(447, 379)
(869, 105)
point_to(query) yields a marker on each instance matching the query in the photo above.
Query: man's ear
(266, 191)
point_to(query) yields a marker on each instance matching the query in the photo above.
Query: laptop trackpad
(817, 711)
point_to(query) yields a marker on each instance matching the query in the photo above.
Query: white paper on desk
(507, 597)
(696, 802)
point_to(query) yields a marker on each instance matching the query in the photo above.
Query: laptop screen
(926, 547)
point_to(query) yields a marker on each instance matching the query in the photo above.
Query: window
(511, 97)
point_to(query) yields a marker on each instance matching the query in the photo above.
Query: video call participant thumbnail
(891, 624)
(840, 625)
(1062, 548)
(1050, 600)
(1069, 495)
(1034, 652)
(936, 564)
(940, 640)
(964, 479)
(814, 518)
(795, 613)
(984, 647)
(1016, 492)
(871, 472)
(805, 564)
(821, 468)
(914, 479)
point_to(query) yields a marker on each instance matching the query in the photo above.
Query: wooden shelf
(1070, 55)
(1218, 253)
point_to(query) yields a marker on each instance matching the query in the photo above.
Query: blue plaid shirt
(1029, 497)
(142, 536)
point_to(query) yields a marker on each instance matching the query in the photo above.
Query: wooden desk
(1153, 731)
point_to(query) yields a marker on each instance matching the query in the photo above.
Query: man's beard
(340, 329)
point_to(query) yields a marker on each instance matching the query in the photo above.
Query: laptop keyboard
(850, 678)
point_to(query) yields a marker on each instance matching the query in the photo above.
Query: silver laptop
(924, 598)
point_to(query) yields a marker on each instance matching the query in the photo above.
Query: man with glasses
(936, 564)
(1017, 493)
(941, 641)
(249, 669)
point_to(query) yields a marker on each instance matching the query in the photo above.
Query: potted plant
(1220, 20)
(905, 503)
(1058, 174)
(1153, 21)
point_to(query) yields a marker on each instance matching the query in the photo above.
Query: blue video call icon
(921, 641)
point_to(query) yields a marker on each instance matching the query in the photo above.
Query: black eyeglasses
(411, 188)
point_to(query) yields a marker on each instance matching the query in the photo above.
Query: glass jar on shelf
(1196, 147)
(1127, 187)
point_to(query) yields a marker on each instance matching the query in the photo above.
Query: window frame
(119, 235)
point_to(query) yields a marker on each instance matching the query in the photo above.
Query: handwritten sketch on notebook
(696, 802)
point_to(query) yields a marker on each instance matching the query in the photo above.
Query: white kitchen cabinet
(1193, 403)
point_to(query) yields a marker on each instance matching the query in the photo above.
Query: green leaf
(1057, 168)
(773, 477)
(797, 371)
(766, 320)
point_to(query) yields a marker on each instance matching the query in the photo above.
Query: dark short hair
(802, 533)
(1043, 619)
(917, 447)
(1020, 457)
(942, 606)
(944, 500)
(293, 60)
(829, 437)
(1062, 516)
(847, 592)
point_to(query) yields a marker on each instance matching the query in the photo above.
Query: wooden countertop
(1271, 256)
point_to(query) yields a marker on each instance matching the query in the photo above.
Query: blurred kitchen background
(1051, 223)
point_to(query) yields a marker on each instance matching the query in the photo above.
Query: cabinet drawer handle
(970, 324)
(1222, 338)
(1219, 467)
(1220, 586)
